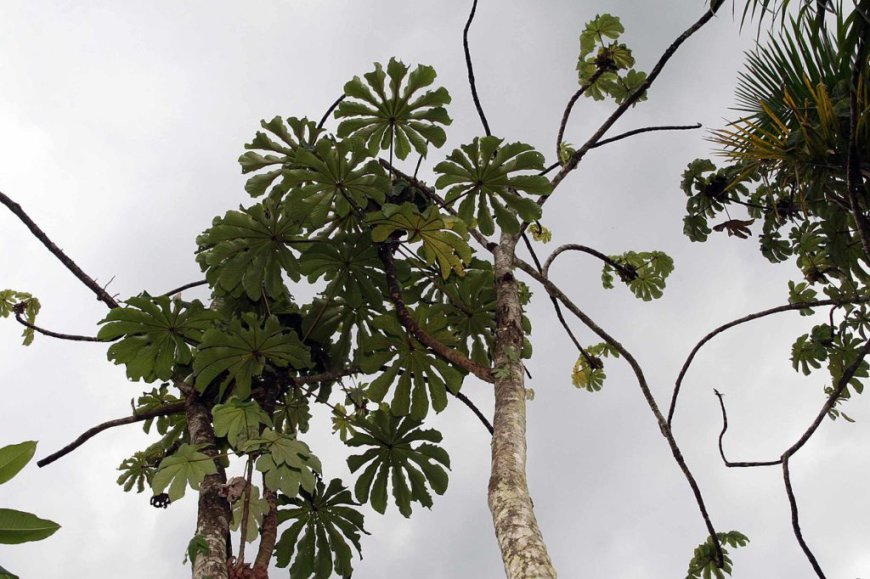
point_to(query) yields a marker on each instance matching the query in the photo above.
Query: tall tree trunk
(522, 545)
(213, 516)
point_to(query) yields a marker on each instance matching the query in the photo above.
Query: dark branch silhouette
(166, 410)
(186, 286)
(470, 68)
(328, 112)
(743, 320)
(570, 106)
(43, 331)
(100, 292)
(465, 400)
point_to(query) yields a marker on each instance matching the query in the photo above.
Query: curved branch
(43, 331)
(455, 357)
(795, 524)
(465, 400)
(557, 293)
(331, 108)
(165, 410)
(470, 68)
(743, 320)
(727, 462)
(184, 287)
(635, 96)
(567, 114)
(624, 271)
(100, 292)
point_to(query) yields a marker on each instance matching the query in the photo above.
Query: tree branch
(165, 410)
(795, 524)
(743, 320)
(557, 293)
(100, 292)
(470, 69)
(43, 331)
(567, 114)
(184, 287)
(455, 357)
(465, 400)
(727, 462)
(624, 271)
(331, 108)
(635, 96)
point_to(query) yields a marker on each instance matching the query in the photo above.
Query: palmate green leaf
(644, 272)
(257, 508)
(411, 370)
(156, 334)
(334, 179)
(703, 563)
(186, 466)
(293, 413)
(484, 175)
(243, 351)
(350, 263)
(157, 398)
(247, 252)
(596, 30)
(588, 373)
(28, 306)
(444, 237)
(412, 469)
(20, 527)
(389, 111)
(5, 574)
(264, 152)
(286, 463)
(14, 457)
(239, 421)
(327, 513)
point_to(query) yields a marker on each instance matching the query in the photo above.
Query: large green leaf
(335, 179)
(243, 352)
(605, 65)
(257, 508)
(329, 514)
(156, 335)
(20, 527)
(14, 457)
(483, 174)
(350, 263)
(443, 236)
(412, 468)
(264, 152)
(704, 559)
(644, 272)
(286, 463)
(239, 420)
(248, 251)
(402, 119)
(410, 369)
(186, 466)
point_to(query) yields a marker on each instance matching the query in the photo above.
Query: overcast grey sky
(120, 125)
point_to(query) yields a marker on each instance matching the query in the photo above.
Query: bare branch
(455, 357)
(186, 286)
(557, 293)
(624, 271)
(727, 462)
(331, 108)
(43, 331)
(743, 320)
(100, 292)
(795, 524)
(465, 400)
(635, 96)
(567, 114)
(470, 68)
(165, 410)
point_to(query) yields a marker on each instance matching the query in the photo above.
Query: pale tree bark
(213, 515)
(522, 544)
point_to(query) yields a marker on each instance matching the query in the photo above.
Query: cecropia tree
(420, 292)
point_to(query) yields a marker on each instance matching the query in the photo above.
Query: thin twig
(186, 286)
(624, 271)
(470, 68)
(635, 96)
(567, 114)
(743, 320)
(71, 337)
(795, 524)
(165, 410)
(727, 462)
(465, 400)
(100, 292)
(557, 293)
(329, 111)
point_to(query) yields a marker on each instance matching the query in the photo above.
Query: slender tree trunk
(522, 545)
(213, 516)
